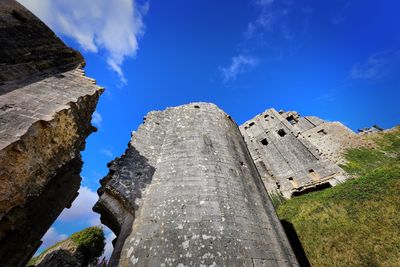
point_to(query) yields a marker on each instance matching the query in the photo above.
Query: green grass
(90, 244)
(356, 223)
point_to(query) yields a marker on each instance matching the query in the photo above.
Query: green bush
(90, 243)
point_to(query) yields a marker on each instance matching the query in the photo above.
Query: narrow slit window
(322, 132)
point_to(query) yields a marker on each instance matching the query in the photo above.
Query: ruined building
(46, 104)
(295, 154)
(190, 190)
(186, 192)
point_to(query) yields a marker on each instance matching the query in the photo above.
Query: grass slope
(89, 243)
(356, 223)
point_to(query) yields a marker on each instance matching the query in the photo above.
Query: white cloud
(97, 118)
(102, 24)
(82, 208)
(265, 20)
(107, 152)
(51, 237)
(376, 66)
(341, 15)
(108, 249)
(240, 64)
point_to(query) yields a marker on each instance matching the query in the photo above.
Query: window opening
(314, 175)
(281, 132)
(264, 141)
(291, 120)
(293, 182)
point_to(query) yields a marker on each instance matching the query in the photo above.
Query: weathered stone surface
(23, 227)
(187, 193)
(331, 139)
(59, 258)
(371, 130)
(46, 104)
(289, 163)
(28, 49)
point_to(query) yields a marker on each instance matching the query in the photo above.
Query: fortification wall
(46, 104)
(332, 139)
(195, 194)
(289, 164)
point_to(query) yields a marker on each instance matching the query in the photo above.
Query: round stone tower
(187, 193)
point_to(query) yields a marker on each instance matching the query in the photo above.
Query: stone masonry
(190, 190)
(46, 103)
(291, 153)
(187, 193)
(331, 139)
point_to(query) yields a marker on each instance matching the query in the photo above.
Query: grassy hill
(81, 248)
(356, 223)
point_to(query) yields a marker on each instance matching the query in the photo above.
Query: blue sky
(339, 60)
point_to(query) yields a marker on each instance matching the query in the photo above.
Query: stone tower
(187, 193)
(46, 104)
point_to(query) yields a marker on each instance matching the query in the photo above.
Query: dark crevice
(317, 187)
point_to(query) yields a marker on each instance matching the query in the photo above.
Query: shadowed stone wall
(28, 48)
(46, 104)
(195, 197)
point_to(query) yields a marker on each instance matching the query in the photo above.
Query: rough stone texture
(289, 163)
(187, 193)
(371, 130)
(331, 139)
(46, 104)
(58, 258)
(63, 254)
(28, 48)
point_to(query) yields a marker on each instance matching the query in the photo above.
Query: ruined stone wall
(331, 139)
(46, 104)
(186, 193)
(28, 48)
(289, 164)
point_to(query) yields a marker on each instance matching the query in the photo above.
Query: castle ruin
(293, 154)
(187, 193)
(46, 103)
(191, 189)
